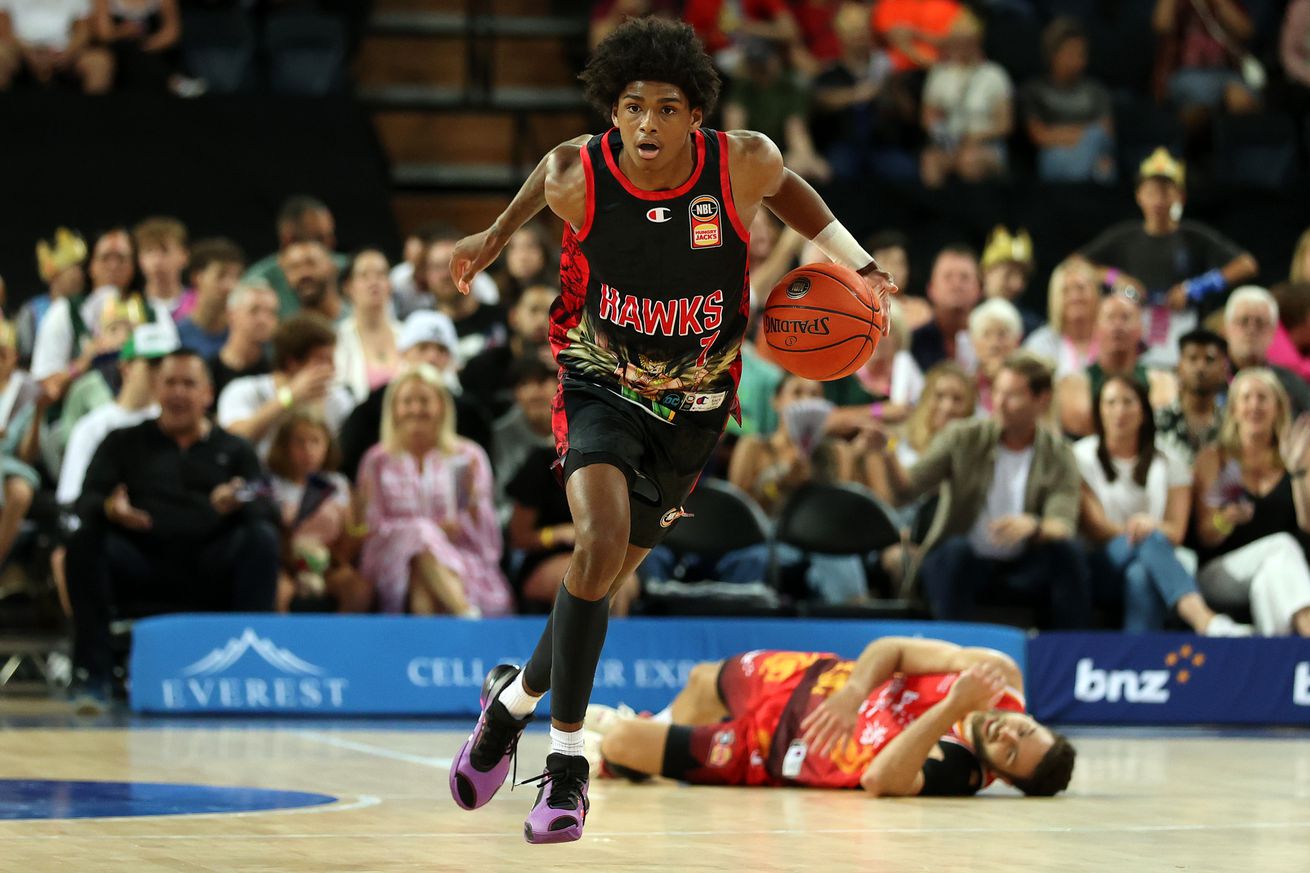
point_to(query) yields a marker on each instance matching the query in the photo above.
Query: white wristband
(837, 243)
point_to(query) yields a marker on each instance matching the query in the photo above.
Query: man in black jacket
(170, 521)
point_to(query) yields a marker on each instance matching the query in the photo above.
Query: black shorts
(662, 460)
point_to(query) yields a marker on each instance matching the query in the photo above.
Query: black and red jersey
(654, 288)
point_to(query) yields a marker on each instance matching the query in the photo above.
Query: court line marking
(362, 801)
(376, 751)
(510, 834)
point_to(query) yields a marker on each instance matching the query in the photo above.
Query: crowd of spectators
(186, 47)
(936, 90)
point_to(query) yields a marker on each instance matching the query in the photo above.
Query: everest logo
(275, 680)
(221, 659)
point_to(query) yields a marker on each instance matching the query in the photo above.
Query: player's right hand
(979, 687)
(832, 722)
(472, 255)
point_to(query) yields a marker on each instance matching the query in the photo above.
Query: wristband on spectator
(1111, 276)
(358, 530)
(1221, 523)
(875, 410)
(837, 243)
(286, 397)
(1212, 282)
(547, 537)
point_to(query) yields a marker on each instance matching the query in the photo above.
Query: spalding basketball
(822, 322)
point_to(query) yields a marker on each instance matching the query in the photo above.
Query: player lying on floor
(909, 717)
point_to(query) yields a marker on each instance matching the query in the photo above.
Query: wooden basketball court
(1159, 800)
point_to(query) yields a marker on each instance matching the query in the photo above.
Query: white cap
(426, 326)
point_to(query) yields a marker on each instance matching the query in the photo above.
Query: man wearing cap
(1184, 268)
(169, 522)
(1007, 266)
(136, 402)
(427, 337)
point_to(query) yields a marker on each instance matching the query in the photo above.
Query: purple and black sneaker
(561, 807)
(484, 760)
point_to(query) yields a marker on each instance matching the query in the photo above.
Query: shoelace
(493, 738)
(565, 790)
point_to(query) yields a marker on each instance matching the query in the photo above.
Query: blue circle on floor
(53, 798)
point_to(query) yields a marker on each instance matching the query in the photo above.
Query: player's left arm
(759, 177)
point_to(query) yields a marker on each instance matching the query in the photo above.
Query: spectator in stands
(251, 320)
(168, 522)
(409, 284)
(1191, 421)
(722, 26)
(59, 263)
(760, 377)
(367, 356)
(315, 280)
(771, 467)
(847, 107)
(434, 542)
(968, 110)
(886, 388)
(319, 530)
(1004, 527)
(914, 30)
(995, 331)
(1007, 267)
(303, 376)
(161, 251)
(113, 262)
(479, 325)
(526, 427)
(301, 218)
(215, 268)
(1072, 300)
(145, 37)
(1068, 115)
(1136, 501)
(1250, 505)
(527, 262)
(765, 97)
(21, 404)
(1294, 55)
(1202, 55)
(1183, 267)
(607, 15)
(953, 291)
(1300, 268)
(1118, 341)
(425, 338)
(137, 401)
(1290, 347)
(1249, 322)
(52, 40)
(483, 377)
(890, 248)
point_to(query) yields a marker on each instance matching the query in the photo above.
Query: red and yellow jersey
(785, 687)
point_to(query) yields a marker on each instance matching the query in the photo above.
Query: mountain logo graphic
(221, 659)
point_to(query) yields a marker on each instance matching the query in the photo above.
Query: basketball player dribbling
(647, 333)
(909, 717)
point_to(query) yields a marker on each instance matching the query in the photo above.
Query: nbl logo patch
(798, 289)
(706, 223)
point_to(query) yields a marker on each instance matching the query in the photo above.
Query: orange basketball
(822, 322)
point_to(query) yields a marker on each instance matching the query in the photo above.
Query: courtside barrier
(1166, 679)
(398, 665)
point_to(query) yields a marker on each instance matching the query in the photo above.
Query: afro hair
(651, 50)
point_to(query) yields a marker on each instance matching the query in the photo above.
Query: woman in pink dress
(434, 542)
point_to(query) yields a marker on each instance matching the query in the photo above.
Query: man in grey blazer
(1008, 510)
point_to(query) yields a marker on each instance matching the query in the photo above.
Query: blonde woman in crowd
(1250, 504)
(1066, 340)
(433, 541)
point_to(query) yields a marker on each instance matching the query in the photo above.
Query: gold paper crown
(131, 309)
(69, 250)
(1162, 165)
(1002, 247)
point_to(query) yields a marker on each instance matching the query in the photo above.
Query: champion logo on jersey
(659, 214)
(706, 223)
